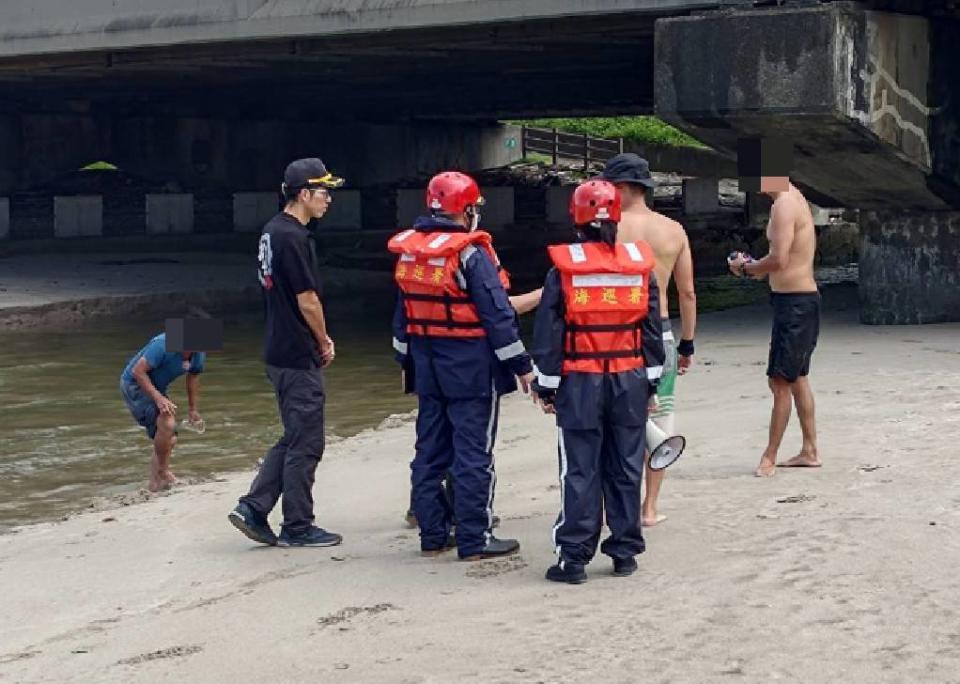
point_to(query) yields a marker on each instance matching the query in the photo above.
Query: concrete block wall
(498, 211)
(422, 150)
(78, 216)
(4, 218)
(345, 212)
(169, 214)
(558, 205)
(500, 146)
(410, 205)
(253, 209)
(499, 207)
(701, 195)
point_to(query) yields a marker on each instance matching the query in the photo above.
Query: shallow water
(67, 437)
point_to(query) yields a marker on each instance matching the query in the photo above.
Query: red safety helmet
(452, 192)
(595, 200)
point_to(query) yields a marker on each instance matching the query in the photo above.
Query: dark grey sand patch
(350, 612)
(162, 654)
(494, 568)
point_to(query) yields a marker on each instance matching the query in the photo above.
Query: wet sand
(66, 291)
(846, 572)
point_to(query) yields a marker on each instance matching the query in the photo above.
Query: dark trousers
(601, 468)
(447, 493)
(455, 435)
(289, 466)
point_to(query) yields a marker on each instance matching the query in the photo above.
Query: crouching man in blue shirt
(144, 384)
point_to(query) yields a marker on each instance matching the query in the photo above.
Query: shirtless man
(631, 174)
(796, 317)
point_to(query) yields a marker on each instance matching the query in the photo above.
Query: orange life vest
(427, 273)
(605, 291)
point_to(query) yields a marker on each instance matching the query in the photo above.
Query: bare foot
(652, 520)
(803, 460)
(157, 485)
(170, 479)
(767, 467)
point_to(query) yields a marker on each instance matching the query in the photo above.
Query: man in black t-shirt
(296, 348)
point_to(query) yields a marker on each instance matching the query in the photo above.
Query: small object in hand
(733, 256)
(199, 426)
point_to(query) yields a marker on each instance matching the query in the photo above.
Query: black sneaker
(624, 567)
(252, 524)
(315, 536)
(571, 573)
(495, 547)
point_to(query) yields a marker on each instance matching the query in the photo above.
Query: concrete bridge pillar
(870, 101)
(9, 152)
(909, 267)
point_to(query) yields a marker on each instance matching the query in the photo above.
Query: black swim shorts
(796, 327)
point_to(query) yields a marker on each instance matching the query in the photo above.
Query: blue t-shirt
(165, 367)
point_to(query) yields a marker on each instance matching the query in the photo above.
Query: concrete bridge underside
(219, 93)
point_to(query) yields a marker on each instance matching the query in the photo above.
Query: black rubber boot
(571, 573)
(496, 547)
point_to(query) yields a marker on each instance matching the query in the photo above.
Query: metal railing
(571, 146)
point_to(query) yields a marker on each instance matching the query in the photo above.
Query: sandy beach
(843, 573)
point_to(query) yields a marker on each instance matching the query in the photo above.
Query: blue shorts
(142, 407)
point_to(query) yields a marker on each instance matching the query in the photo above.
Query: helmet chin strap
(474, 218)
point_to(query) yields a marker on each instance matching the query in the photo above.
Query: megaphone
(668, 447)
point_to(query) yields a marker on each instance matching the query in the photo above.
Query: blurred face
(774, 183)
(316, 200)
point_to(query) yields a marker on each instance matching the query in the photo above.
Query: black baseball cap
(628, 168)
(309, 173)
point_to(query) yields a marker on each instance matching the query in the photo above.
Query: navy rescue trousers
(455, 435)
(601, 470)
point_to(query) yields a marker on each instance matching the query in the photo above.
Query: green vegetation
(720, 292)
(100, 166)
(642, 129)
(533, 158)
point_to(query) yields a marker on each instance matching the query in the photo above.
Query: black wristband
(685, 348)
(547, 396)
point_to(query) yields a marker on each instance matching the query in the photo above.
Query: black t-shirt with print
(287, 267)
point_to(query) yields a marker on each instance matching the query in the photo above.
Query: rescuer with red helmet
(599, 352)
(456, 333)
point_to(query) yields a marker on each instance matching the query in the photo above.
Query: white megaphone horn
(667, 448)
